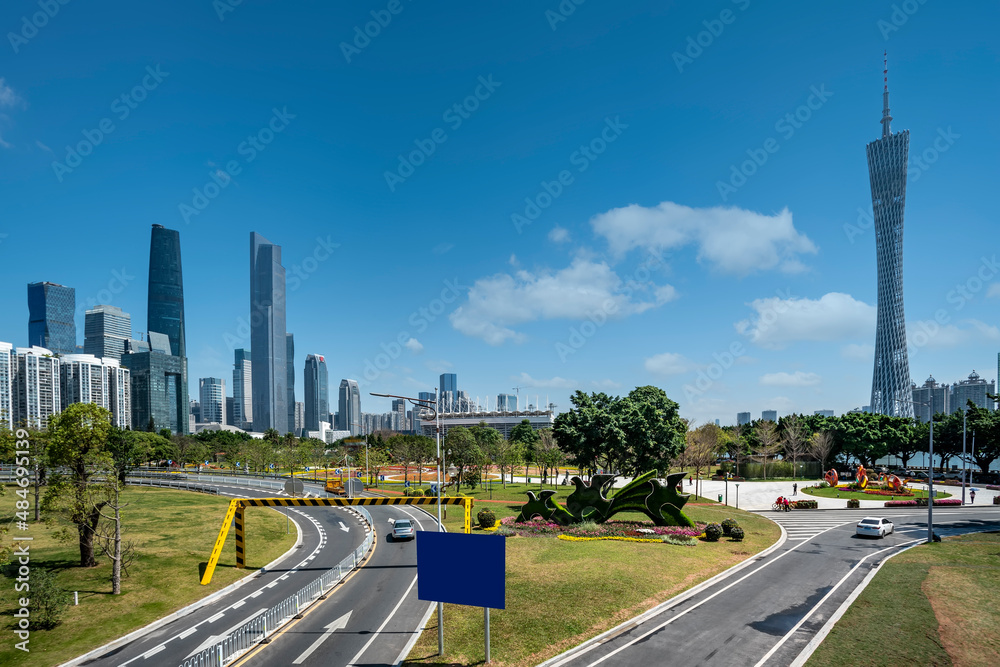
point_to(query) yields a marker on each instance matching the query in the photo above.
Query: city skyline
(712, 233)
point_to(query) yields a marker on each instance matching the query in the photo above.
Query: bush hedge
(853, 503)
(736, 534)
(486, 518)
(728, 525)
(805, 505)
(713, 532)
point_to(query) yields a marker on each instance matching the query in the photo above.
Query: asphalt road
(373, 615)
(325, 543)
(766, 614)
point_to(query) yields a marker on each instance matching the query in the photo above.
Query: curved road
(767, 612)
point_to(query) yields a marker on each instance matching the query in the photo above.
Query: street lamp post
(737, 495)
(930, 467)
(437, 432)
(963, 456)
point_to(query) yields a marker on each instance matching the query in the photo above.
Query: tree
(524, 435)
(868, 437)
(769, 443)
(701, 448)
(794, 440)
(820, 446)
(127, 452)
(548, 452)
(984, 443)
(465, 452)
(77, 438)
(629, 436)
(108, 536)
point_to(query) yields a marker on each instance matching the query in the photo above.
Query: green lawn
(176, 531)
(932, 605)
(561, 593)
(861, 495)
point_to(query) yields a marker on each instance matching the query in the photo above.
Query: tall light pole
(437, 432)
(963, 455)
(930, 467)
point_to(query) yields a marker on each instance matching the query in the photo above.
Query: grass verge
(861, 495)
(934, 604)
(175, 531)
(561, 593)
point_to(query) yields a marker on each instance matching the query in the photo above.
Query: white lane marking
(388, 618)
(686, 611)
(339, 624)
(258, 593)
(239, 604)
(213, 619)
(187, 633)
(812, 611)
(154, 651)
(215, 639)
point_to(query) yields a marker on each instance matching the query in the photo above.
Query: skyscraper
(268, 344)
(212, 395)
(349, 414)
(887, 173)
(317, 385)
(85, 378)
(105, 330)
(290, 381)
(769, 415)
(506, 402)
(159, 367)
(8, 364)
(51, 309)
(37, 387)
(242, 383)
(742, 418)
(448, 395)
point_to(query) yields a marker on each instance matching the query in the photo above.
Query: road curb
(159, 623)
(663, 606)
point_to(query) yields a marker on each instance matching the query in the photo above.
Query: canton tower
(887, 173)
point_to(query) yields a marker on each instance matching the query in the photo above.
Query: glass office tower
(268, 344)
(317, 403)
(290, 379)
(105, 330)
(242, 383)
(51, 311)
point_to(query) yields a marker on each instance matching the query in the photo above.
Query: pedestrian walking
(972, 496)
(795, 489)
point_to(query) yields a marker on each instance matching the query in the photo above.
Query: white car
(402, 529)
(872, 526)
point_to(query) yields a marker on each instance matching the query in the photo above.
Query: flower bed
(611, 529)
(921, 502)
(948, 501)
(805, 505)
(885, 492)
(900, 503)
(993, 487)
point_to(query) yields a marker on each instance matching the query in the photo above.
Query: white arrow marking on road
(343, 527)
(215, 639)
(339, 624)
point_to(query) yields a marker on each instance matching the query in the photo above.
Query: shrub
(921, 502)
(736, 534)
(902, 503)
(48, 601)
(486, 518)
(713, 532)
(429, 492)
(996, 500)
(948, 501)
(805, 505)
(728, 525)
(853, 503)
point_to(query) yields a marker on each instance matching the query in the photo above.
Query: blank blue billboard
(462, 569)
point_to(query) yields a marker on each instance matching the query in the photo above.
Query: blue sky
(573, 224)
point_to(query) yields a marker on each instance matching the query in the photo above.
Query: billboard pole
(487, 610)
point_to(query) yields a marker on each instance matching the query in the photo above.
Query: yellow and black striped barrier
(234, 515)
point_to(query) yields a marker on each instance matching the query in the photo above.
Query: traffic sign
(434, 488)
(294, 487)
(358, 474)
(406, 484)
(339, 471)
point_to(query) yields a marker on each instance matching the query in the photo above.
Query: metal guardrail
(233, 480)
(259, 628)
(173, 484)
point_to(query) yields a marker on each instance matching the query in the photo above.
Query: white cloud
(834, 316)
(8, 98)
(993, 291)
(606, 383)
(4, 143)
(414, 346)
(559, 234)
(525, 381)
(930, 334)
(796, 379)
(669, 363)
(582, 289)
(731, 240)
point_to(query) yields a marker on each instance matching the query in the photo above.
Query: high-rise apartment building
(317, 387)
(887, 174)
(349, 415)
(242, 393)
(51, 313)
(930, 399)
(105, 331)
(769, 416)
(268, 341)
(823, 413)
(742, 418)
(159, 366)
(37, 390)
(974, 389)
(85, 378)
(290, 379)
(8, 364)
(212, 394)
(299, 418)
